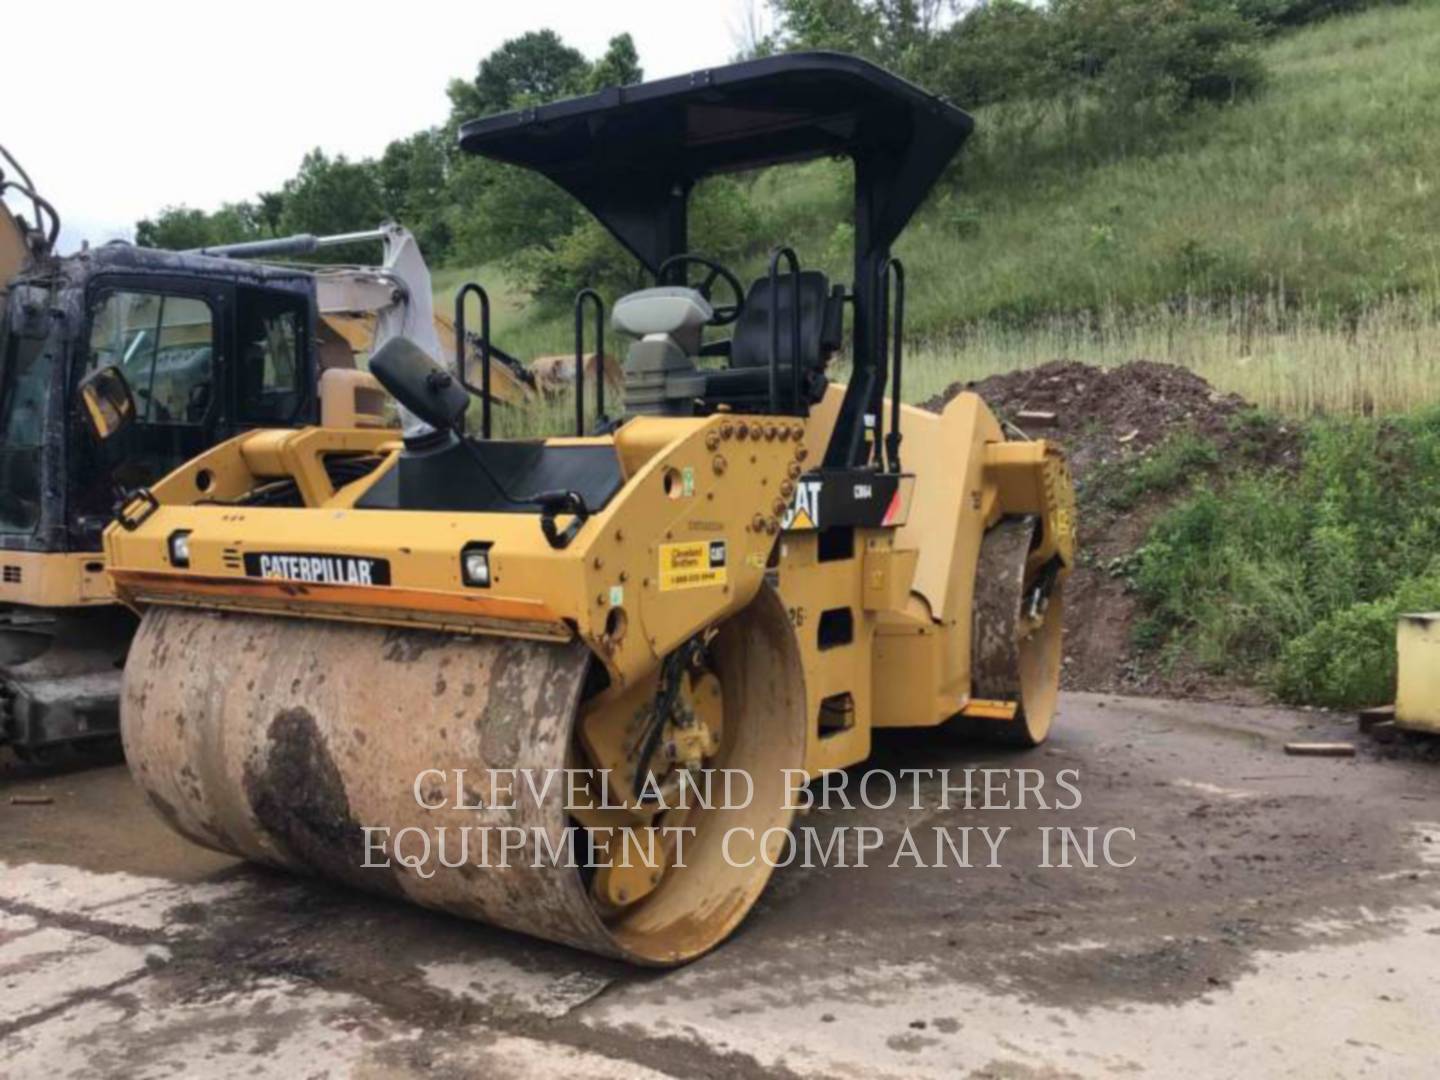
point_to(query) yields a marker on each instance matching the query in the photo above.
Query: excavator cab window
(165, 347)
(24, 397)
(162, 337)
(270, 344)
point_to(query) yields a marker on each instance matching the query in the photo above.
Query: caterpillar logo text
(318, 569)
(804, 512)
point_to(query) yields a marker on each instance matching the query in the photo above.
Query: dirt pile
(1105, 413)
(1109, 420)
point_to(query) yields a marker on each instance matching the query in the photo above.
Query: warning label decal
(692, 565)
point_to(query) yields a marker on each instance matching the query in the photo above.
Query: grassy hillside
(1323, 186)
(1287, 246)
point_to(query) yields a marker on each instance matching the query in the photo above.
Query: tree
(460, 207)
(532, 68)
(180, 228)
(852, 26)
(517, 210)
(269, 209)
(175, 228)
(332, 195)
(1160, 54)
(620, 66)
(413, 176)
(1003, 51)
(499, 212)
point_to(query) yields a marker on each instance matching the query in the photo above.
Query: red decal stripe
(893, 510)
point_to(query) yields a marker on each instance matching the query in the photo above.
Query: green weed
(1293, 579)
(1125, 483)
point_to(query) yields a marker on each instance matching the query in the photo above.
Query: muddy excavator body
(535, 660)
(209, 345)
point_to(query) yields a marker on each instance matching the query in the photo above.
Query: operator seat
(661, 373)
(745, 385)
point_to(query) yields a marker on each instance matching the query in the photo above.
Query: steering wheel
(722, 315)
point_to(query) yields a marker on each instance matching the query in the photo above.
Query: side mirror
(197, 402)
(109, 405)
(420, 384)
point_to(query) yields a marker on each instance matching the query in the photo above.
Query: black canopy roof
(631, 154)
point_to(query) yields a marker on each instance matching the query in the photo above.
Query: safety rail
(788, 254)
(470, 288)
(892, 267)
(580, 298)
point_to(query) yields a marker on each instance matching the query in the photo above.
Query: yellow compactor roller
(736, 573)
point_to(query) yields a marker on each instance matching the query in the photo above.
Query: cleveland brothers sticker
(692, 564)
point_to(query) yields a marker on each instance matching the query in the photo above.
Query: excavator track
(281, 740)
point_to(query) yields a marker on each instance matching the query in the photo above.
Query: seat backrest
(821, 323)
(668, 309)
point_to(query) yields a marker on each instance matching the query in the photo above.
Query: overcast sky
(119, 109)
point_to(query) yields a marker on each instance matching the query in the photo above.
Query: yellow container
(1417, 705)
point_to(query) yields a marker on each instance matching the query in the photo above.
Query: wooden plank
(1036, 418)
(1320, 749)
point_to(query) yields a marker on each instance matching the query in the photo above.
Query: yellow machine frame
(44, 579)
(725, 592)
(688, 483)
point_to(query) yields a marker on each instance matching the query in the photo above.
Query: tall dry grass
(1275, 355)
(1279, 356)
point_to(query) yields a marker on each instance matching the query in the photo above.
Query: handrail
(460, 340)
(789, 255)
(897, 328)
(580, 298)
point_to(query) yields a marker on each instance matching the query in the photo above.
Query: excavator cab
(117, 365)
(207, 347)
(169, 354)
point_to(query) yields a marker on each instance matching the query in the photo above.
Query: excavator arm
(21, 242)
(362, 307)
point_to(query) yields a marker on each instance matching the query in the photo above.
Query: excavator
(213, 343)
(744, 572)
